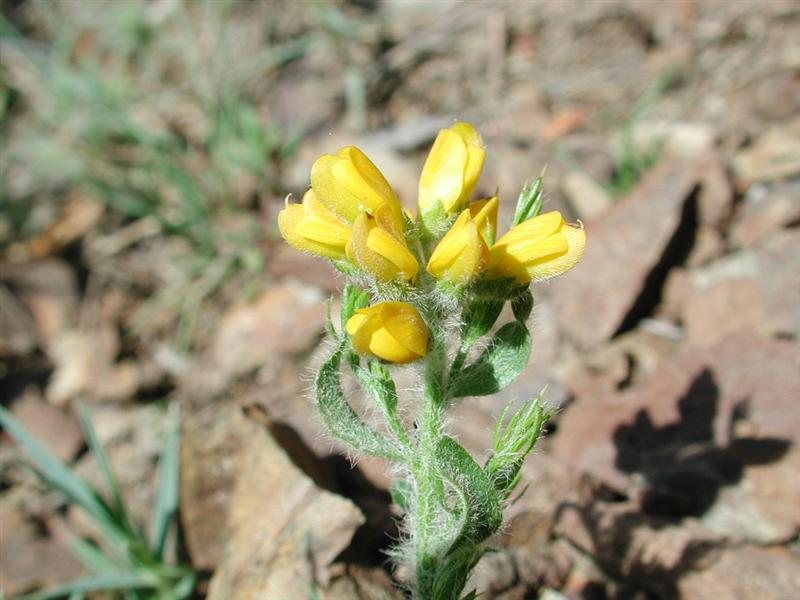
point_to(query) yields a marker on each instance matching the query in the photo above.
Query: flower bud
(452, 169)
(463, 252)
(348, 183)
(378, 246)
(539, 248)
(393, 331)
(310, 227)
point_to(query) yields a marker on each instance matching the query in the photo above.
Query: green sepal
(497, 289)
(530, 201)
(479, 317)
(500, 363)
(339, 417)
(522, 305)
(353, 298)
(345, 267)
(512, 443)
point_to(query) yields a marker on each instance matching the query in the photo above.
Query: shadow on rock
(682, 465)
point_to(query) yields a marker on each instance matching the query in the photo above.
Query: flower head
(379, 247)
(539, 248)
(463, 252)
(452, 169)
(393, 331)
(349, 184)
(311, 227)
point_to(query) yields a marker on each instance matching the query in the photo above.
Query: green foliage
(339, 417)
(126, 560)
(112, 101)
(500, 363)
(512, 443)
(530, 201)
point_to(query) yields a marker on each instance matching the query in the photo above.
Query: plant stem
(426, 474)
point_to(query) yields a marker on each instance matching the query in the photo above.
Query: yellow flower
(311, 227)
(463, 252)
(379, 247)
(452, 169)
(541, 247)
(393, 331)
(349, 184)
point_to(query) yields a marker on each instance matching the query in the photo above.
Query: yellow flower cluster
(351, 213)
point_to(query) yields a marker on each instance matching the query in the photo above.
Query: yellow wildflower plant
(311, 227)
(452, 169)
(392, 331)
(349, 184)
(539, 248)
(463, 252)
(352, 216)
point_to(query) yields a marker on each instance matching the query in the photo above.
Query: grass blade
(117, 503)
(166, 504)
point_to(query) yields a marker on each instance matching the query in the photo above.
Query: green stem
(426, 474)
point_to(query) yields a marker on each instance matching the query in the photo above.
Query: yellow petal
(484, 213)
(348, 183)
(537, 228)
(302, 235)
(461, 253)
(442, 178)
(376, 250)
(406, 326)
(545, 268)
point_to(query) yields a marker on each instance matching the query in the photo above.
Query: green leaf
(94, 559)
(500, 363)
(480, 507)
(340, 418)
(166, 503)
(353, 298)
(479, 317)
(479, 512)
(522, 306)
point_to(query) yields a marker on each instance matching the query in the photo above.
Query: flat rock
(744, 572)
(774, 156)
(671, 440)
(285, 531)
(623, 248)
(57, 428)
(765, 211)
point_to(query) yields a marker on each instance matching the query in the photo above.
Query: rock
(675, 138)
(774, 266)
(49, 289)
(744, 572)
(585, 195)
(22, 560)
(673, 430)
(285, 530)
(624, 246)
(285, 262)
(360, 583)
(774, 156)
(726, 307)
(285, 320)
(56, 428)
(764, 212)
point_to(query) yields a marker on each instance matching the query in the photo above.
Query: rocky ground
(670, 129)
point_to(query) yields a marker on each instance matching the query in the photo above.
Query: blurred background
(146, 148)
